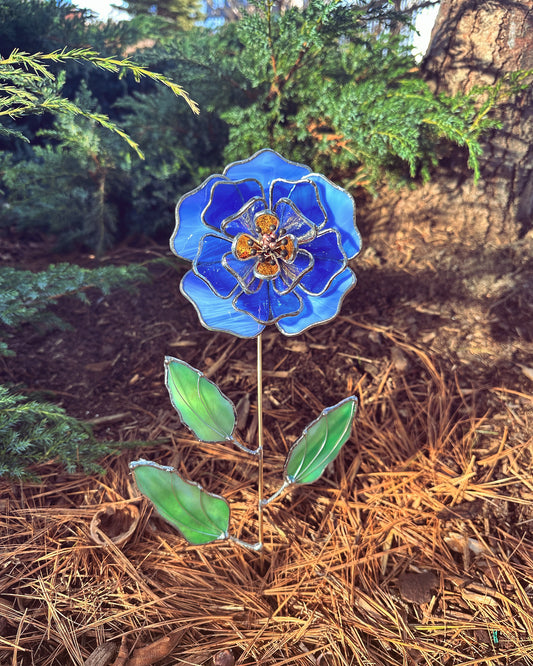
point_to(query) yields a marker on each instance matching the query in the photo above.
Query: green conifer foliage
(28, 86)
(328, 91)
(33, 431)
(77, 184)
(25, 296)
(37, 26)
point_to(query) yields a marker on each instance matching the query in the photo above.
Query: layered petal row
(269, 243)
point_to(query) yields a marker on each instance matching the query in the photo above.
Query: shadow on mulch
(111, 361)
(415, 546)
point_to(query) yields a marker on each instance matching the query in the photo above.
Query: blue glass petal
(266, 306)
(243, 221)
(303, 194)
(291, 273)
(243, 271)
(330, 260)
(227, 198)
(292, 220)
(215, 313)
(265, 166)
(318, 309)
(189, 228)
(340, 211)
(208, 265)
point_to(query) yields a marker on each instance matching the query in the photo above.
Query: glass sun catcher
(269, 242)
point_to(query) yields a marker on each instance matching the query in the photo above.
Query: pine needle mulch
(416, 546)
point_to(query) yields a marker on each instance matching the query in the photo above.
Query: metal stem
(252, 452)
(260, 434)
(286, 484)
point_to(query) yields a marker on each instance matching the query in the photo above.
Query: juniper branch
(37, 62)
(22, 76)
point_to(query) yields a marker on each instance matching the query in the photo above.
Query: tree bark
(474, 43)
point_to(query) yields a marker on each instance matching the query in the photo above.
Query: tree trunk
(475, 42)
(458, 250)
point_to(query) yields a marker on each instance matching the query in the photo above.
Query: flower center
(271, 245)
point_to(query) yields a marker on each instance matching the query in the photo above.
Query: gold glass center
(269, 246)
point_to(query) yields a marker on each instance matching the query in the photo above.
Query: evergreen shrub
(331, 84)
(33, 431)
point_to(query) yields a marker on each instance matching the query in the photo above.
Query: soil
(469, 307)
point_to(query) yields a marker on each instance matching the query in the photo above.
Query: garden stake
(260, 436)
(269, 242)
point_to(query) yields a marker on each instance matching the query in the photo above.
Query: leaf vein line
(175, 493)
(320, 448)
(338, 445)
(207, 407)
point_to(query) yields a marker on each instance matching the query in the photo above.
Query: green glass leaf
(200, 516)
(199, 402)
(320, 443)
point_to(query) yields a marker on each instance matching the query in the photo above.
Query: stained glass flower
(269, 242)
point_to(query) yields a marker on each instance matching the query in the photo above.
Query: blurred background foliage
(331, 84)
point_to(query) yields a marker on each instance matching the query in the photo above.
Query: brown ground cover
(416, 546)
